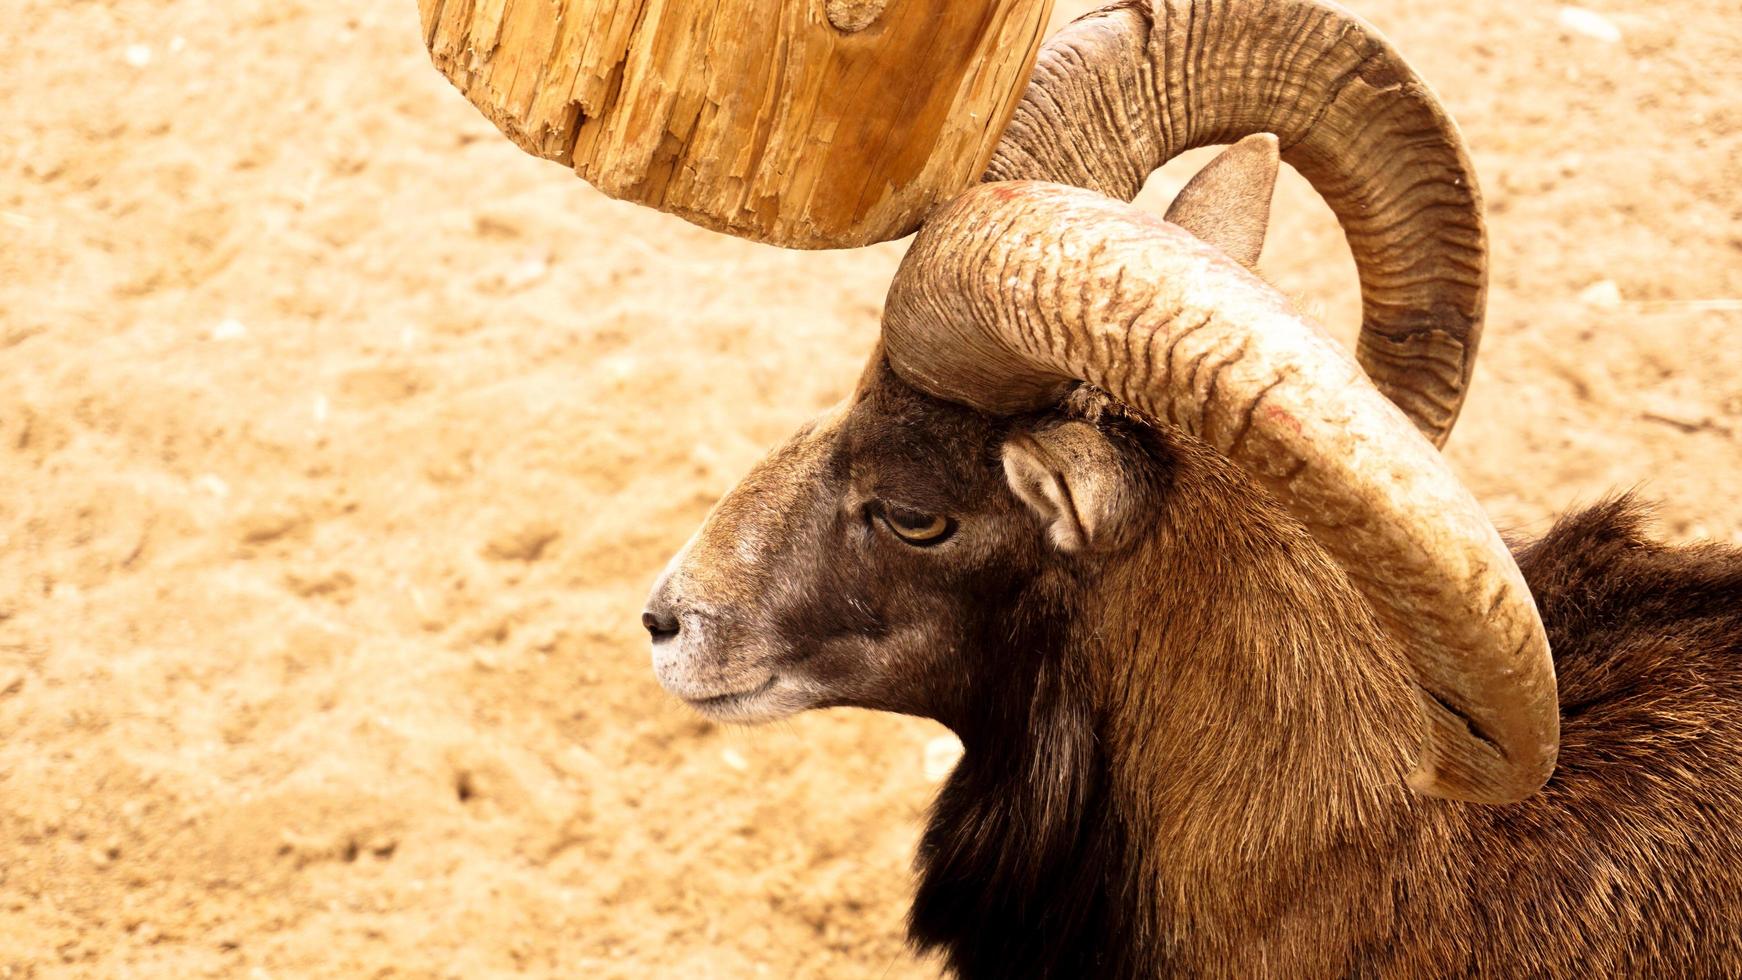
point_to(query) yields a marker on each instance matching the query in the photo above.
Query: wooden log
(804, 123)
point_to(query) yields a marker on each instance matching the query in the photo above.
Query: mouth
(724, 703)
(750, 691)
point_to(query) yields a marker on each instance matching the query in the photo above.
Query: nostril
(660, 625)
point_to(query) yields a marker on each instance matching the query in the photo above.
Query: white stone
(941, 755)
(525, 273)
(1590, 24)
(1602, 294)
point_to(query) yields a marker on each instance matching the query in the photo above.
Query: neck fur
(1259, 724)
(1215, 725)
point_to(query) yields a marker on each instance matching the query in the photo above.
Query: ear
(1228, 203)
(1075, 481)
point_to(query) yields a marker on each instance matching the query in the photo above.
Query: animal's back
(1630, 861)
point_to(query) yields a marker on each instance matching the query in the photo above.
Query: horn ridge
(1015, 290)
(1118, 93)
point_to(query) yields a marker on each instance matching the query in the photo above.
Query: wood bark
(804, 123)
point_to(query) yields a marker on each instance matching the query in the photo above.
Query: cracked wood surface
(758, 118)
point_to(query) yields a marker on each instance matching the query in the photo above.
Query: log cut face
(758, 118)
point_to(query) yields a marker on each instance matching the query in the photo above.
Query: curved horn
(1122, 91)
(1015, 290)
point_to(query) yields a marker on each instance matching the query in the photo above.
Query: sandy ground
(339, 442)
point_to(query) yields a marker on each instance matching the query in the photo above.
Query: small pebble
(941, 755)
(1590, 24)
(269, 524)
(1603, 294)
(229, 329)
(522, 542)
(527, 272)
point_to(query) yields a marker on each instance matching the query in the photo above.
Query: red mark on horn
(1282, 417)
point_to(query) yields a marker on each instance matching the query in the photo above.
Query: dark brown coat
(1197, 770)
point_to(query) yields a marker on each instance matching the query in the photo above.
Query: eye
(914, 527)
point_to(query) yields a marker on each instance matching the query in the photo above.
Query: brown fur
(1185, 755)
